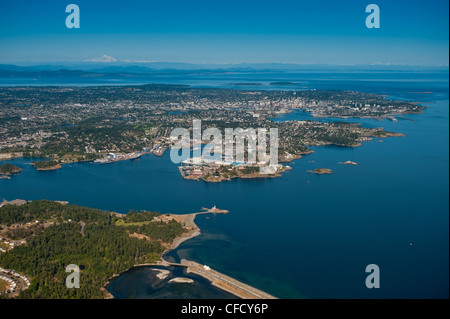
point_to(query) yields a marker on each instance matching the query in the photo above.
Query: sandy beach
(217, 279)
(192, 230)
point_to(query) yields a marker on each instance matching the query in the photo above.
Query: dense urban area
(106, 124)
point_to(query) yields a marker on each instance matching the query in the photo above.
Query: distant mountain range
(123, 69)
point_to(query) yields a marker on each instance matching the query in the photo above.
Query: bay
(301, 235)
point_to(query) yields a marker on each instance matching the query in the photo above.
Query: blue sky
(283, 31)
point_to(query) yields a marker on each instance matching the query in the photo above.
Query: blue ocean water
(143, 283)
(302, 235)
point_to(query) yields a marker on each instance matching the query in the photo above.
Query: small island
(348, 163)
(246, 84)
(46, 165)
(321, 171)
(181, 280)
(282, 83)
(9, 169)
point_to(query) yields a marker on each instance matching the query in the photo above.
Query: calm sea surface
(301, 235)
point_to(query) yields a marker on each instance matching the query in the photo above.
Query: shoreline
(238, 174)
(217, 279)
(50, 168)
(187, 221)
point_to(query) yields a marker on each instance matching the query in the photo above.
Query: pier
(217, 279)
(405, 118)
(225, 282)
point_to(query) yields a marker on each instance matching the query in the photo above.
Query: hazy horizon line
(140, 63)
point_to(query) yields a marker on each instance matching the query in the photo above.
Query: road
(225, 282)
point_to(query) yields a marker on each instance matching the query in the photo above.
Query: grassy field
(121, 222)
